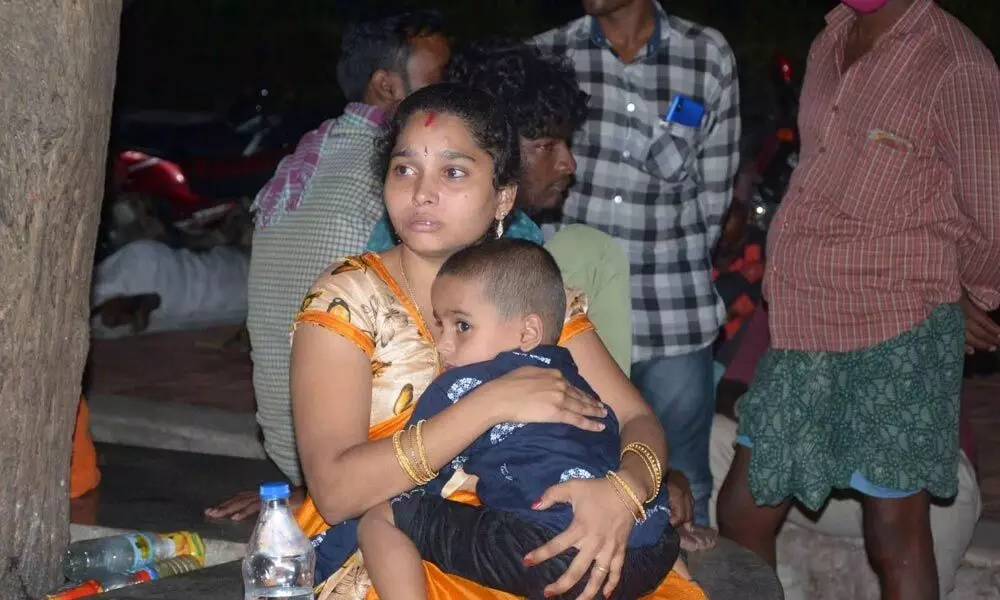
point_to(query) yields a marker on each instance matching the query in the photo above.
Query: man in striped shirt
(321, 204)
(660, 184)
(890, 228)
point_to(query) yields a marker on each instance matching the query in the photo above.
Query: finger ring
(601, 569)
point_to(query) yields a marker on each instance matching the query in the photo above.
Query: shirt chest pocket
(883, 172)
(671, 152)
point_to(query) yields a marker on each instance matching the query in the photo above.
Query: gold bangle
(413, 452)
(655, 481)
(647, 454)
(624, 499)
(652, 463)
(628, 490)
(430, 473)
(629, 504)
(401, 458)
(407, 461)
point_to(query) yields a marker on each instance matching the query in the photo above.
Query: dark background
(200, 54)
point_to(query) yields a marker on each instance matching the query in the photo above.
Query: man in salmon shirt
(889, 235)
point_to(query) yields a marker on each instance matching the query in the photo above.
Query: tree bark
(57, 71)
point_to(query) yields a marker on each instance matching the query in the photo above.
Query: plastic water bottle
(113, 581)
(280, 560)
(174, 566)
(127, 553)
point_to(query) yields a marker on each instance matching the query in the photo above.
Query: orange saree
(359, 300)
(442, 586)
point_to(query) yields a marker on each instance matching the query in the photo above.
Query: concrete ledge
(217, 552)
(201, 429)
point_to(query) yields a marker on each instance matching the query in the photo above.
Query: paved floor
(165, 490)
(187, 367)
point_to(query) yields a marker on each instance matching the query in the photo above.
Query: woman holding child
(367, 331)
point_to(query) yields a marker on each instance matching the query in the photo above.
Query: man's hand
(981, 332)
(246, 504)
(679, 498)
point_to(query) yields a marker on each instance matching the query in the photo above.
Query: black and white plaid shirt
(661, 189)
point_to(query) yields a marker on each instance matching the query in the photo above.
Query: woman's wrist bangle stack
(652, 463)
(411, 454)
(627, 496)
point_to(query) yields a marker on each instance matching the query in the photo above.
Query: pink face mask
(865, 6)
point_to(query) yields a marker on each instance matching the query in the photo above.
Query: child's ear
(532, 332)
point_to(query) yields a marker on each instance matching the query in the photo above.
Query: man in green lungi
(891, 225)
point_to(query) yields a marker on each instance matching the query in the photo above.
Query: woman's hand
(599, 531)
(535, 395)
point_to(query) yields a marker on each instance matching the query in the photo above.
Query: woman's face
(439, 189)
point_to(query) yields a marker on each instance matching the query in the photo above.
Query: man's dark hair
(540, 92)
(368, 46)
(519, 277)
(483, 116)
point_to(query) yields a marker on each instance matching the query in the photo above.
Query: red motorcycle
(163, 180)
(181, 174)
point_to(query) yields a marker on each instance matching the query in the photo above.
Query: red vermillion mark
(429, 119)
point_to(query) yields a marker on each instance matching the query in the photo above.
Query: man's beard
(541, 214)
(547, 215)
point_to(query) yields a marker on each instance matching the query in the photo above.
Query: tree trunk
(57, 71)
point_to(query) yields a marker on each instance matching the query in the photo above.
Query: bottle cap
(275, 490)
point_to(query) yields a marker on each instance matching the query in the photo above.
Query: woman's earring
(500, 228)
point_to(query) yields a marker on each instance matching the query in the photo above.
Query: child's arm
(392, 560)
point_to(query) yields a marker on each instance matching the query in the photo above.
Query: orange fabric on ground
(83, 472)
(441, 586)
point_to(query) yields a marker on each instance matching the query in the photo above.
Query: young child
(501, 306)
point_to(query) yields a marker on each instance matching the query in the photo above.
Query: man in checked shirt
(891, 228)
(660, 184)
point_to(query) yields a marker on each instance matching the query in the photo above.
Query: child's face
(471, 328)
